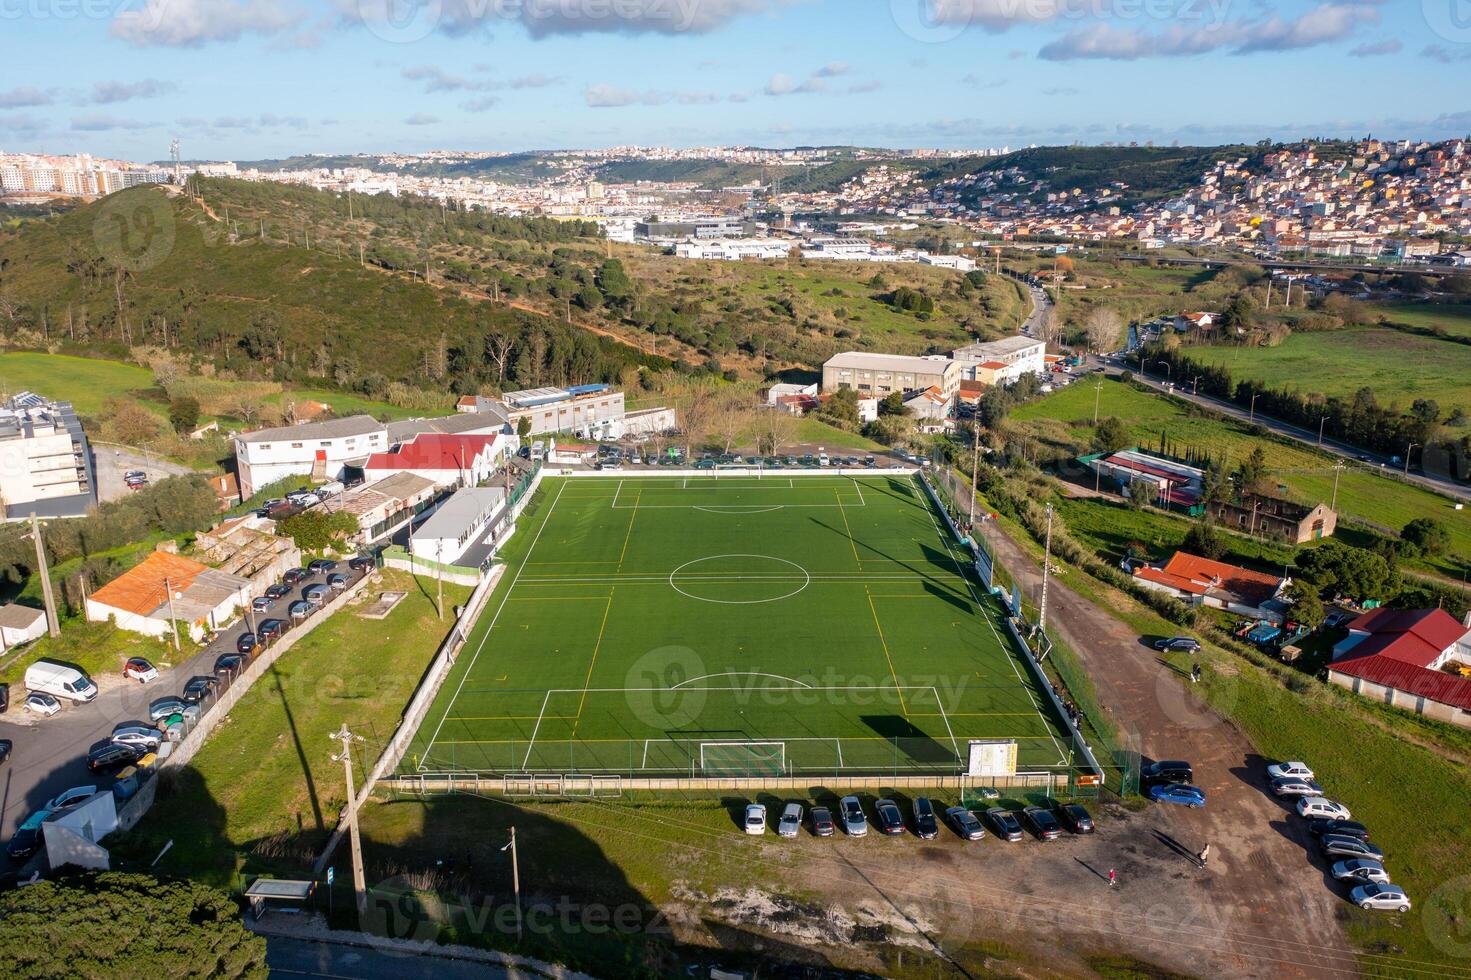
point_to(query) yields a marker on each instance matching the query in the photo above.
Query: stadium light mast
(1046, 569)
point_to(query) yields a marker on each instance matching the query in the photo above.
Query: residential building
(1273, 517)
(1415, 659)
(1011, 357)
(1203, 582)
(929, 408)
(447, 461)
(880, 375)
(589, 411)
(333, 449)
(20, 624)
(164, 589)
(387, 505)
(45, 461)
(458, 531)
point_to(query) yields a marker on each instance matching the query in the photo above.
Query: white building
(649, 421)
(734, 249)
(588, 411)
(458, 525)
(45, 462)
(1017, 356)
(443, 459)
(164, 589)
(323, 450)
(20, 624)
(959, 263)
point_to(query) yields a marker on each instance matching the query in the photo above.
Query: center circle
(739, 580)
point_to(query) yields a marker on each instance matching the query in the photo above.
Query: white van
(59, 681)
(330, 489)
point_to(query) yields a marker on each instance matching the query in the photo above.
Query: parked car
(890, 820)
(70, 798)
(1182, 644)
(1281, 770)
(362, 563)
(299, 610)
(1360, 869)
(246, 643)
(966, 824)
(261, 603)
(822, 822)
(926, 827)
(111, 755)
(161, 709)
(138, 736)
(229, 665)
(1181, 794)
(315, 594)
(791, 820)
(337, 582)
(1347, 828)
(1334, 845)
(1318, 806)
(27, 838)
(1166, 772)
(140, 670)
(268, 630)
(6, 747)
(1075, 818)
(755, 819)
(200, 688)
(1381, 896)
(1044, 825)
(854, 823)
(1293, 786)
(321, 565)
(1004, 824)
(41, 704)
(277, 591)
(294, 576)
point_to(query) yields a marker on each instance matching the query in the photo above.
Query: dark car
(1004, 824)
(1343, 828)
(200, 688)
(268, 630)
(1178, 643)
(1075, 818)
(6, 747)
(321, 565)
(278, 591)
(246, 643)
(1042, 822)
(294, 575)
(230, 665)
(965, 823)
(112, 755)
(27, 839)
(822, 822)
(1157, 773)
(890, 820)
(926, 827)
(362, 563)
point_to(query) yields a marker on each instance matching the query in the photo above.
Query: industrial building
(589, 411)
(880, 375)
(335, 449)
(1004, 360)
(1171, 482)
(45, 461)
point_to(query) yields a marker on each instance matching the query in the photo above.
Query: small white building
(20, 624)
(959, 263)
(1015, 356)
(164, 589)
(323, 450)
(460, 523)
(649, 422)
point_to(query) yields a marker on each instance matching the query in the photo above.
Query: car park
(70, 798)
(1384, 897)
(27, 838)
(890, 820)
(1043, 823)
(926, 827)
(1318, 806)
(162, 709)
(966, 824)
(200, 688)
(1281, 770)
(1075, 818)
(140, 670)
(791, 820)
(822, 822)
(854, 823)
(1360, 869)
(1178, 644)
(43, 705)
(138, 736)
(1335, 845)
(1348, 828)
(1166, 772)
(1180, 794)
(1004, 824)
(1293, 786)
(755, 822)
(111, 755)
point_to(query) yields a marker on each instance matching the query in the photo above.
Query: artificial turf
(734, 626)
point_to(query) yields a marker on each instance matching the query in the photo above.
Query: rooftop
(488, 417)
(353, 425)
(1200, 576)
(992, 349)
(144, 588)
(868, 361)
(467, 508)
(433, 451)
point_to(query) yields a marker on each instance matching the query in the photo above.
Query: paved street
(51, 753)
(112, 462)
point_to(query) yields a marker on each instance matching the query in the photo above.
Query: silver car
(855, 824)
(1361, 869)
(1378, 896)
(791, 820)
(1295, 786)
(137, 736)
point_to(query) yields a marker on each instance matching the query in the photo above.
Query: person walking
(1113, 878)
(1205, 853)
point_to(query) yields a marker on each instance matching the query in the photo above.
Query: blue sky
(255, 78)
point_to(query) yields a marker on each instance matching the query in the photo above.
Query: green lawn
(814, 431)
(1064, 420)
(86, 382)
(264, 791)
(1398, 366)
(660, 626)
(1454, 319)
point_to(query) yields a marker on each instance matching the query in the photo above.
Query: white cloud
(106, 93)
(784, 84)
(542, 18)
(1376, 48)
(26, 95)
(832, 69)
(101, 123)
(996, 15)
(863, 88)
(480, 103)
(437, 80)
(603, 96)
(189, 23)
(1324, 24)
(1444, 55)
(421, 119)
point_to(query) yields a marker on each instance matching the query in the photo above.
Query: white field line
(526, 763)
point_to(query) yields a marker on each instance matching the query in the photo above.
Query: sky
(251, 79)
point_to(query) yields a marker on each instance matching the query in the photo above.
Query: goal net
(743, 758)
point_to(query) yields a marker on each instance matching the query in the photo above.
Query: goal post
(743, 758)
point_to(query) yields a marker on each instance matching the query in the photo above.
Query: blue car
(1182, 794)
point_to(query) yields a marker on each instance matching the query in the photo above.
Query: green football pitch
(800, 625)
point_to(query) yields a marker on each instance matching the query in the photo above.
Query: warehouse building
(880, 375)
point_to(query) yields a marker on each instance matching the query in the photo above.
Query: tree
(1204, 539)
(893, 404)
(732, 418)
(1139, 493)
(1427, 534)
(841, 406)
(775, 428)
(1104, 329)
(1307, 607)
(129, 422)
(523, 427)
(1253, 470)
(184, 413)
(317, 530)
(154, 928)
(1357, 573)
(1110, 436)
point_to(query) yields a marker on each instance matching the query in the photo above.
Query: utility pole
(53, 627)
(359, 885)
(515, 880)
(439, 575)
(1046, 574)
(1409, 451)
(975, 466)
(173, 619)
(1097, 399)
(1269, 292)
(1337, 472)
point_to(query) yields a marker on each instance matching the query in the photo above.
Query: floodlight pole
(359, 884)
(53, 627)
(975, 466)
(1046, 569)
(1337, 472)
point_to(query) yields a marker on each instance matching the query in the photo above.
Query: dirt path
(1260, 884)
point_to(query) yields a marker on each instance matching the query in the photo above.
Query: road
(1353, 454)
(50, 754)
(112, 462)
(287, 956)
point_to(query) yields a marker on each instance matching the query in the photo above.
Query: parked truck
(60, 681)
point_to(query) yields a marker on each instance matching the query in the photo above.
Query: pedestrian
(1113, 878)
(1205, 853)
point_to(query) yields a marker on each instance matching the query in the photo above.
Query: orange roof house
(1201, 581)
(140, 599)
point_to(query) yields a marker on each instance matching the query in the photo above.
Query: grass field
(1400, 367)
(735, 626)
(1454, 319)
(1065, 418)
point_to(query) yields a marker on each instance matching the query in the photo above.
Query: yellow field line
(851, 542)
(892, 674)
(627, 537)
(587, 681)
(510, 718)
(589, 561)
(555, 598)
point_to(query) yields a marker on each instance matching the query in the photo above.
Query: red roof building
(1201, 581)
(1410, 658)
(448, 460)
